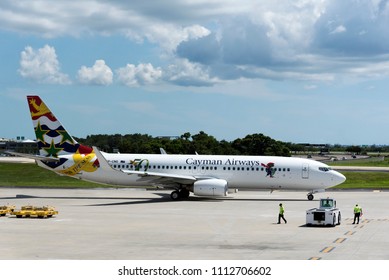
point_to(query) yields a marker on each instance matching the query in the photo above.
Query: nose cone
(338, 178)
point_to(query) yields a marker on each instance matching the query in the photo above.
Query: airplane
(202, 175)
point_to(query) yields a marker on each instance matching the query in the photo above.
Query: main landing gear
(310, 196)
(180, 194)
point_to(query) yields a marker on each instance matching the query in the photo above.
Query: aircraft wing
(165, 178)
(152, 177)
(36, 157)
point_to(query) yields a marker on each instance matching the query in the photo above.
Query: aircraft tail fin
(53, 139)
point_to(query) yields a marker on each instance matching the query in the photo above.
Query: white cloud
(169, 36)
(138, 21)
(339, 29)
(186, 73)
(210, 41)
(143, 74)
(98, 74)
(310, 87)
(42, 66)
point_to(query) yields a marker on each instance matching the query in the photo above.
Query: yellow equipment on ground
(37, 212)
(4, 210)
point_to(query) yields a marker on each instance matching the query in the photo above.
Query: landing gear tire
(175, 195)
(180, 194)
(184, 194)
(310, 196)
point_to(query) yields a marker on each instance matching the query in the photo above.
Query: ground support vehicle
(4, 210)
(326, 215)
(35, 212)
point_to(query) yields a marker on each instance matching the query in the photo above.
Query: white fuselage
(255, 172)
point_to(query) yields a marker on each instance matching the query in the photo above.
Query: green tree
(259, 144)
(202, 143)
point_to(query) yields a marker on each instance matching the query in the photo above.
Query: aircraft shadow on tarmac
(160, 198)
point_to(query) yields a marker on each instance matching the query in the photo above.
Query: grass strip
(31, 175)
(365, 180)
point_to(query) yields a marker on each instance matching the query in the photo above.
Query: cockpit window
(325, 169)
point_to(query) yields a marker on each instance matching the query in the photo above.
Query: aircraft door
(305, 171)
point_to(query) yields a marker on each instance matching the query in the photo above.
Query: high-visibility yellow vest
(357, 209)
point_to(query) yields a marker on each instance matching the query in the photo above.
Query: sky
(303, 71)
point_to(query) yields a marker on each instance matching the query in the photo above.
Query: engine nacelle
(210, 187)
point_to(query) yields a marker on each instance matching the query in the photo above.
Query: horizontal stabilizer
(36, 157)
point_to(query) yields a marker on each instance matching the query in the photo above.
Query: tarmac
(136, 224)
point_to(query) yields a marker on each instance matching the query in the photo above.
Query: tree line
(201, 143)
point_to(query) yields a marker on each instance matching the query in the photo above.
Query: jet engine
(210, 187)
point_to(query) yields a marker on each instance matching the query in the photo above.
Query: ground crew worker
(281, 214)
(357, 213)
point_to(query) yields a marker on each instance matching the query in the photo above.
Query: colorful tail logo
(53, 139)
